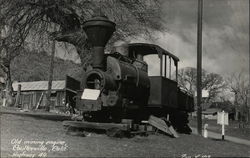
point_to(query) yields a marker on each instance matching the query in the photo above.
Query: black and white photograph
(124, 78)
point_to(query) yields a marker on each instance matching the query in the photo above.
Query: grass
(99, 145)
(232, 129)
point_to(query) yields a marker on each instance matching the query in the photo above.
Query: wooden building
(62, 92)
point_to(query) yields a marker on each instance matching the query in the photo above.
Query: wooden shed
(62, 92)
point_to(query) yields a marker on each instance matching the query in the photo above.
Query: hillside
(30, 66)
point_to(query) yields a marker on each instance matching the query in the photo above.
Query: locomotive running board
(162, 125)
(96, 125)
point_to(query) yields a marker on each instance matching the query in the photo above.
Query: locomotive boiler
(118, 85)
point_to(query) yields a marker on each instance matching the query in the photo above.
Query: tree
(187, 79)
(213, 83)
(10, 47)
(33, 20)
(238, 84)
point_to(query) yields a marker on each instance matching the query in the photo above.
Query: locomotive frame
(124, 89)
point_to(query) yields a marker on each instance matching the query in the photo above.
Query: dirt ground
(20, 131)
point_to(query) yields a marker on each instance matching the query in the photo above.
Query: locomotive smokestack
(99, 29)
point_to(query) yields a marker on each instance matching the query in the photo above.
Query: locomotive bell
(99, 29)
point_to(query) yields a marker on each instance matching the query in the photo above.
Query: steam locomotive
(118, 86)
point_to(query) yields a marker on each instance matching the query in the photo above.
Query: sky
(225, 34)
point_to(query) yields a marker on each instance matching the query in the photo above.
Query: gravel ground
(16, 131)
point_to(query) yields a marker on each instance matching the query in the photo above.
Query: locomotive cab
(163, 89)
(166, 98)
(120, 86)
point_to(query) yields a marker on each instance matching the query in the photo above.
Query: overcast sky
(225, 34)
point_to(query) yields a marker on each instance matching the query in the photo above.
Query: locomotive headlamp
(97, 79)
(99, 30)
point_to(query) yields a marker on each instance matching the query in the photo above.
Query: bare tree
(211, 82)
(238, 84)
(187, 79)
(10, 47)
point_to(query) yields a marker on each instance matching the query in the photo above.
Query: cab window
(164, 67)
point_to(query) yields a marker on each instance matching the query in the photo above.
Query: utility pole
(248, 94)
(48, 102)
(199, 66)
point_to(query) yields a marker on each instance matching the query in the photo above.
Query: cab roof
(146, 49)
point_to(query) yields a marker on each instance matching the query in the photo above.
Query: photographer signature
(195, 156)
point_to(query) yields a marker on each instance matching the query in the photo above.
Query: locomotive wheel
(180, 121)
(116, 114)
(74, 132)
(116, 132)
(97, 116)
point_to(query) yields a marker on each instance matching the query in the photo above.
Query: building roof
(39, 85)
